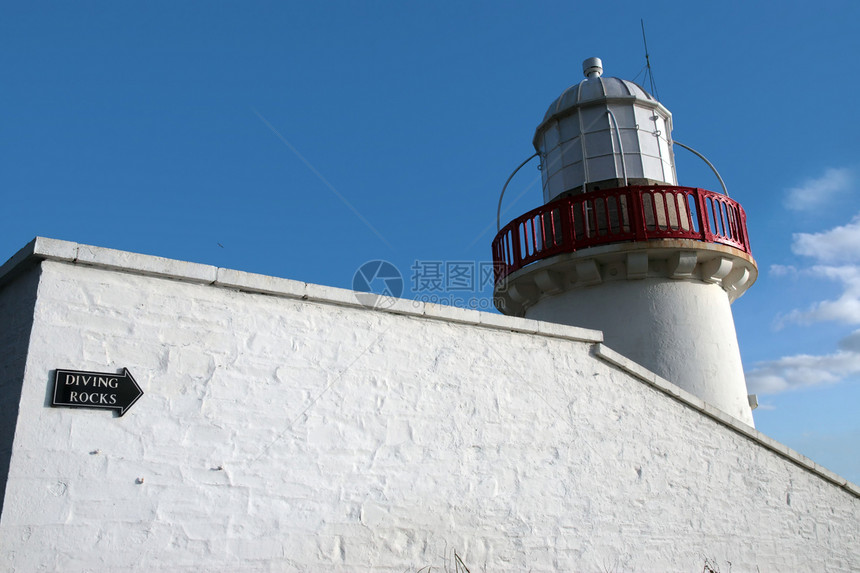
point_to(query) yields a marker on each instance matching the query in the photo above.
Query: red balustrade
(635, 213)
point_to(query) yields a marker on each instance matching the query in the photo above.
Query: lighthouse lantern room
(618, 246)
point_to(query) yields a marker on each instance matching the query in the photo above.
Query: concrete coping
(42, 248)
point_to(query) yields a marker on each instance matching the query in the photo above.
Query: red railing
(616, 215)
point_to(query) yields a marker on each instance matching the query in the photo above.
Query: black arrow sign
(79, 389)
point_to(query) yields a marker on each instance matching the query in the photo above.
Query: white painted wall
(681, 329)
(281, 434)
(17, 300)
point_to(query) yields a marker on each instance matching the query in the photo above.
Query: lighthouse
(620, 247)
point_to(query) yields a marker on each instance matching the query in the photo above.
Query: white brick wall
(17, 301)
(285, 434)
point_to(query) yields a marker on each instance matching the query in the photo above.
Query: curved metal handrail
(633, 213)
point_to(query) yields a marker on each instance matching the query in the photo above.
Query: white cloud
(805, 370)
(845, 309)
(840, 244)
(851, 343)
(783, 270)
(819, 191)
(837, 254)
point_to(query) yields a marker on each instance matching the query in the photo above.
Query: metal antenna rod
(650, 72)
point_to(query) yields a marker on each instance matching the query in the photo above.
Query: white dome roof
(594, 89)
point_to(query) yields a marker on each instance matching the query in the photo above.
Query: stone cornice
(677, 259)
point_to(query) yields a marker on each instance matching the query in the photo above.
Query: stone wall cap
(41, 249)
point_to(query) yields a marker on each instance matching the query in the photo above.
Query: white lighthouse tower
(620, 247)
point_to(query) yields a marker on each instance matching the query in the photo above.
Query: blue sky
(303, 139)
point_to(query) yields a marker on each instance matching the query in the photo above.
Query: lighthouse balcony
(627, 214)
